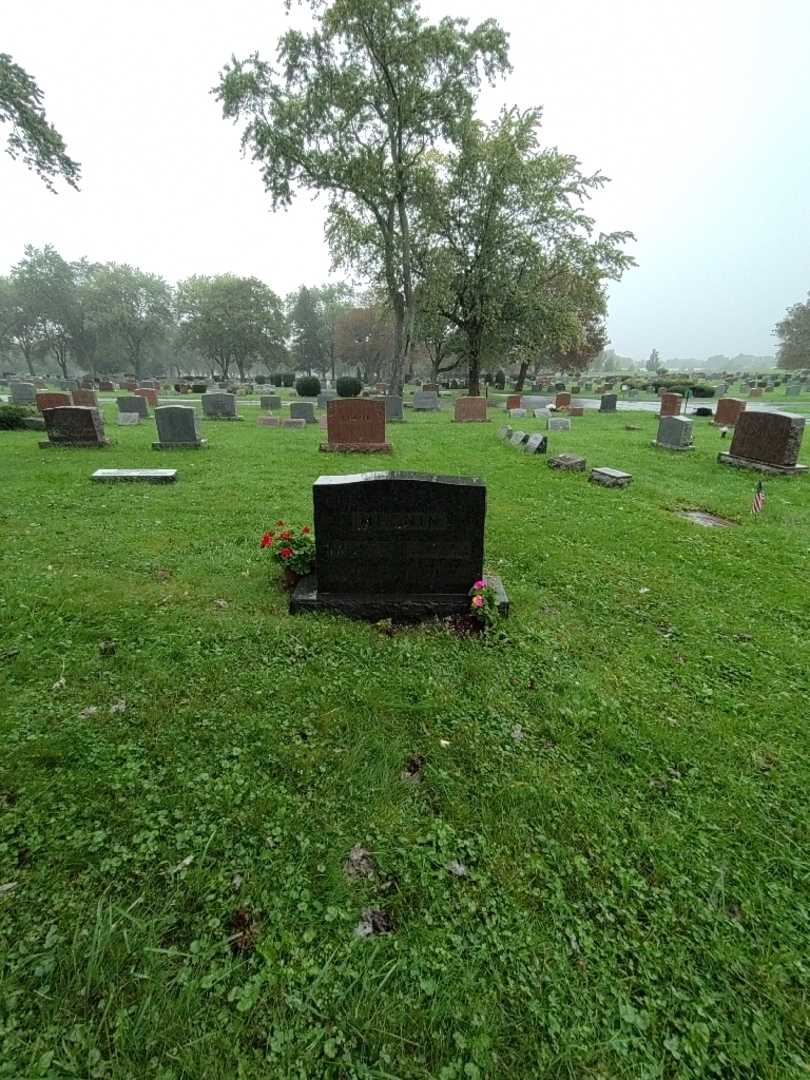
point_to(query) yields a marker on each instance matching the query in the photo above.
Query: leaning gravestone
(356, 425)
(74, 426)
(518, 438)
(536, 444)
(87, 398)
(403, 546)
(52, 401)
(270, 402)
(303, 410)
(768, 442)
(505, 432)
(470, 410)
(558, 423)
(177, 428)
(608, 403)
(674, 433)
(22, 393)
(426, 401)
(134, 404)
(217, 405)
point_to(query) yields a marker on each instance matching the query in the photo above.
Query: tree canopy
(350, 110)
(794, 337)
(32, 138)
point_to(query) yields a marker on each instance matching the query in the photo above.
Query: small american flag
(759, 499)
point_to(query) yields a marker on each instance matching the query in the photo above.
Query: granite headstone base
(199, 444)
(130, 476)
(761, 466)
(400, 608)
(356, 448)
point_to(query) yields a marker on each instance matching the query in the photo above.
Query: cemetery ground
(587, 832)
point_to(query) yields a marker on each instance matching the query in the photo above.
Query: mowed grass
(623, 773)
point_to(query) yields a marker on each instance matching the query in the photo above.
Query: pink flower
(478, 601)
(480, 585)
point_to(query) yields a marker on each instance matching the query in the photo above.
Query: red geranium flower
(286, 552)
(306, 529)
(267, 540)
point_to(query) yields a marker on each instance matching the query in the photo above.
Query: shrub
(199, 387)
(348, 386)
(260, 380)
(12, 416)
(500, 380)
(701, 390)
(308, 386)
(287, 379)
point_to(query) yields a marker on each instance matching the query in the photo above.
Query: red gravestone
(428, 386)
(728, 411)
(576, 410)
(471, 410)
(107, 384)
(380, 388)
(87, 398)
(768, 441)
(74, 425)
(563, 400)
(52, 401)
(671, 404)
(148, 393)
(513, 401)
(356, 425)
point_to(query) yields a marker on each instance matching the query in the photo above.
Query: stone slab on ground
(608, 477)
(148, 476)
(567, 462)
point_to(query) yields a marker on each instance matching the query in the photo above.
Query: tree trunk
(521, 379)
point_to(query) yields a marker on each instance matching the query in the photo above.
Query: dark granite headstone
(393, 409)
(22, 393)
(767, 441)
(426, 401)
(74, 425)
(302, 410)
(395, 545)
(134, 404)
(536, 444)
(270, 402)
(674, 433)
(219, 406)
(177, 428)
(608, 403)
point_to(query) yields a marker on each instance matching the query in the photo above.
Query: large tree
(32, 138)
(507, 252)
(310, 333)
(231, 320)
(351, 110)
(794, 337)
(365, 341)
(130, 307)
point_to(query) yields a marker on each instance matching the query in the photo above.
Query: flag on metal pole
(759, 499)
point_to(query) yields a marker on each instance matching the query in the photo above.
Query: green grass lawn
(623, 774)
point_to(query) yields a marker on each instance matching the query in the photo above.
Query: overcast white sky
(698, 111)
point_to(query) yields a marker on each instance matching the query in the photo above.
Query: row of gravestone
(83, 426)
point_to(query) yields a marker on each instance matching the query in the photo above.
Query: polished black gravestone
(396, 545)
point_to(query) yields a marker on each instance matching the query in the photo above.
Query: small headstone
(517, 414)
(289, 422)
(177, 428)
(767, 442)
(576, 410)
(671, 404)
(567, 463)
(393, 409)
(355, 425)
(396, 545)
(107, 385)
(270, 402)
(429, 387)
(608, 403)
(52, 400)
(505, 432)
(22, 393)
(610, 477)
(134, 404)
(563, 400)
(728, 411)
(536, 444)
(541, 414)
(558, 423)
(86, 398)
(74, 426)
(674, 433)
(149, 476)
(128, 419)
(513, 402)
(756, 391)
(426, 401)
(518, 438)
(219, 405)
(302, 410)
(470, 410)
(532, 401)
(268, 421)
(149, 393)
